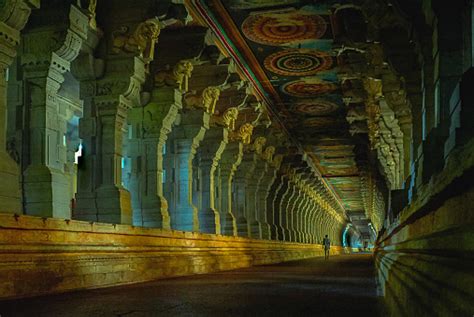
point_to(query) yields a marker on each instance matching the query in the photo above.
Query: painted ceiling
(288, 45)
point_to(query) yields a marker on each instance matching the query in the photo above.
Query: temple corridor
(313, 287)
(200, 157)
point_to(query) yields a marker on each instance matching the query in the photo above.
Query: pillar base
(242, 228)
(152, 213)
(10, 194)
(229, 226)
(209, 222)
(265, 231)
(254, 229)
(47, 192)
(183, 219)
(109, 205)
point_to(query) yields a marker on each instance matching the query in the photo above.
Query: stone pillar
(151, 126)
(251, 198)
(276, 230)
(211, 150)
(45, 58)
(239, 186)
(264, 187)
(230, 160)
(299, 211)
(187, 138)
(289, 207)
(284, 221)
(13, 17)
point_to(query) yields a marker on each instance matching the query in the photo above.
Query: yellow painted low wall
(42, 256)
(425, 260)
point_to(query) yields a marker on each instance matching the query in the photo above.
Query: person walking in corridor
(327, 247)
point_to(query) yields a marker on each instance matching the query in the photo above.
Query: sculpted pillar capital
(141, 41)
(243, 134)
(13, 17)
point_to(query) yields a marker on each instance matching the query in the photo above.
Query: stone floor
(343, 285)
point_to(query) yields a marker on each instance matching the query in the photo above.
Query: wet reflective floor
(342, 285)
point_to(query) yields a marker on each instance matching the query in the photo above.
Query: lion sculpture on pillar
(267, 155)
(258, 144)
(228, 118)
(244, 134)
(141, 41)
(207, 101)
(179, 75)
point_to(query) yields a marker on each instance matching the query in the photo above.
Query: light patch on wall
(78, 154)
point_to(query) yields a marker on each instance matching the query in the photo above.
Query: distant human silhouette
(327, 246)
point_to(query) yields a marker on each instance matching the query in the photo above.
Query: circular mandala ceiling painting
(315, 107)
(283, 28)
(298, 62)
(319, 122)
(308, 87)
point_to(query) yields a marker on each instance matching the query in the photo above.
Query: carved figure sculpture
(141, 41)
(244, 134)
(91, 8)
(258, 144)
(228, 118)
(268, 154)
(277, 161)
(206, 101)
(178, 76)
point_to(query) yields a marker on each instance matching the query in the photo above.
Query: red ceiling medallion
(315, 107)
(308, 87)
(298, 62)
(283, 28)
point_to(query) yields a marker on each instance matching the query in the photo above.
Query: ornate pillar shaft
(211, 150)
(152, 124)
(251, 200)
(230, 161)
(188, 136)
(46, 58)
(265, 186)
(275, 207)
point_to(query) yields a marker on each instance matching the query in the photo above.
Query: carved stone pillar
(211, 150)
(151, 126)
(187, 137)
(292, 212)
(239, 188)
(298, 212)
(284, 221)
(273, 204)
(107, 102)
(45, 59)
(13, 17)
(278, 215)
(230, 160)
(264, 187)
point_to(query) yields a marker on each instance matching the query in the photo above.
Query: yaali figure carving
(244, 134)
(267, 155)
(179, 75)
(258, 144)
(228, 118)
(207, 101)
(141, 41)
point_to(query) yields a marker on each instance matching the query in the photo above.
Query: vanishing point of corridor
(341, 286)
